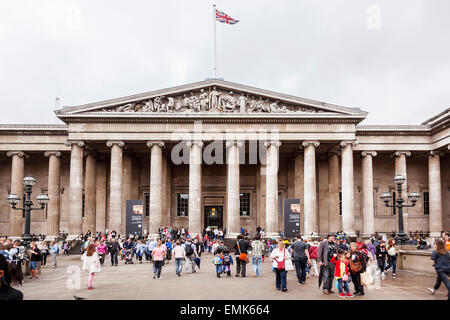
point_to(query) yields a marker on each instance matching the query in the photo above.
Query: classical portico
(232, 153)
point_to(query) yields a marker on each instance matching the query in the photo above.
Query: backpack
(217, 260)
(226, 259)
(356, 266)
(189, 250)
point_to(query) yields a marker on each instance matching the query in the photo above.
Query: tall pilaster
(348, 213)
(434, 188)
(115, 185)
(53, 206)
(126, 186)
(76, 188)
(89, 223)
(195, 187)
(155, 218)
(17, 167)
(233, 188)
(367, 190)
(272, 162)
(334, 218)
(400, 168)
(310, 192)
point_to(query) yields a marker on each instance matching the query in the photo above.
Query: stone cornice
(33, 130)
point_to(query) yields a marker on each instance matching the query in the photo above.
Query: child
(227, 262)
(341, 274)
(91, 263)
(218, 262)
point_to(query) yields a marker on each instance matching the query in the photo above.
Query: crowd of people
(335, 261)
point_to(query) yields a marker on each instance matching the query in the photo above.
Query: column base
(435, 234)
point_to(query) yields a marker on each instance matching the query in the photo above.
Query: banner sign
(135, 210)
(291, 217)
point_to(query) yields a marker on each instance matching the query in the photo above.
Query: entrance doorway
(214, 216)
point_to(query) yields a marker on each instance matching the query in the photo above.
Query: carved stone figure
(170, 104)
(214, 96)
(252, 105)
(156, 104)
(186, 101)
(204, 101)
(242, 103)
(194, 103)
(148, 105)
(228, 101)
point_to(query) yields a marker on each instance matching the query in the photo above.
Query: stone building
(220, 153)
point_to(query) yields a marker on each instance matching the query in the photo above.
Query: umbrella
(320, 275)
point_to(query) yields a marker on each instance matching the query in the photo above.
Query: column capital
(69, 143)
(152, 143)
(400, 153)
(119, 143)
(52, 153)
(369, 153)
(230, 143)
(345, 143)
(306, 143)
(190, 143)
(268, 143)
(20, 154)
(435, 153)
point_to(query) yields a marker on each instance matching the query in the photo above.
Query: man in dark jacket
(113, 248)
(242, 245)
(300, 253)
(324, 254)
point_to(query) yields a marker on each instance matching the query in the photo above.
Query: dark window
(182, 204)
(147, 204)
(340, 203)
(394, 201)
(244, 204)
(82, 210)
(426, 203)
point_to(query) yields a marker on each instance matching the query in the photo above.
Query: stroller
(129, 256)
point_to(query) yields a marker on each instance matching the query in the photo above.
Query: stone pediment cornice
(206, 100)
(33, 129)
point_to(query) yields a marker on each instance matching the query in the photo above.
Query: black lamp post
(14, 199)
(402, 238)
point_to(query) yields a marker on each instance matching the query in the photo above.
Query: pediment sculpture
(211, 100)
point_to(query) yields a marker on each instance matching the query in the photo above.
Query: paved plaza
(135, 282)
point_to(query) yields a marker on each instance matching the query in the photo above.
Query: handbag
(345, 277)
(281, 265)
(242, 255)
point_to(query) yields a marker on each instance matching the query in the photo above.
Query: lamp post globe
(399, 179)
(29, 181)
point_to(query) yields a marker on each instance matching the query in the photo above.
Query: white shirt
(277, 256)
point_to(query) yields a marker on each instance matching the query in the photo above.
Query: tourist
(392, 253)
(179, 255)
(151, 245)
(313, 258)
(191, 254)
(102, 250)
(35, 258)
(113, 249)
(242, 245)
(44, 252)
(140, 248)
(128, 247)
(447, 240)
(324, 254)
(441, 260)
(169, 247)
(341, 274)
(158, 255)
(300, 253)
(54, 251)
(217, 261)
(65, 247)
(91, 263)
(257, 253)
(8, 293)
(227, 262)
(4, 252)
(381, 257)
(281, 263)
(357, 263)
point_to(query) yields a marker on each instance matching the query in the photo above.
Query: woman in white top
(278, 256)
(91, 263)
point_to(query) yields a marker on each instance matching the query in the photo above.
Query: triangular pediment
(210, 97)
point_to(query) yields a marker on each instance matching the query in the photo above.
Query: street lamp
(14, 200)
(398, 203)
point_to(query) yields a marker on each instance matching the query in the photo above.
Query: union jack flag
(224, 18)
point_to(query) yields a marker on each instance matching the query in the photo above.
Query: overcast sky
(391, 58)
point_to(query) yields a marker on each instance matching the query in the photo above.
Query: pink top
(158, 253)
(101, 248)
(179, 252)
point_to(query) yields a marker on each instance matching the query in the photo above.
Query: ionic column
(155, 217)
(434, 188)
(76, 188)
(400, 168)
(233, 188)
(100, 203)
(348, 214)
(17, 166)
(310, 198)
(53, 206)
(367, 190)
(90, 177)
(272, 188)
(126, 187)
(300, 186)
(195, 187)
(115, 185)
(334, 219)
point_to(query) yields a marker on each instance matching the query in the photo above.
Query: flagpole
(214, 63)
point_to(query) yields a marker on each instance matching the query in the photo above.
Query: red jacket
(313, 252)
(337, 270)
